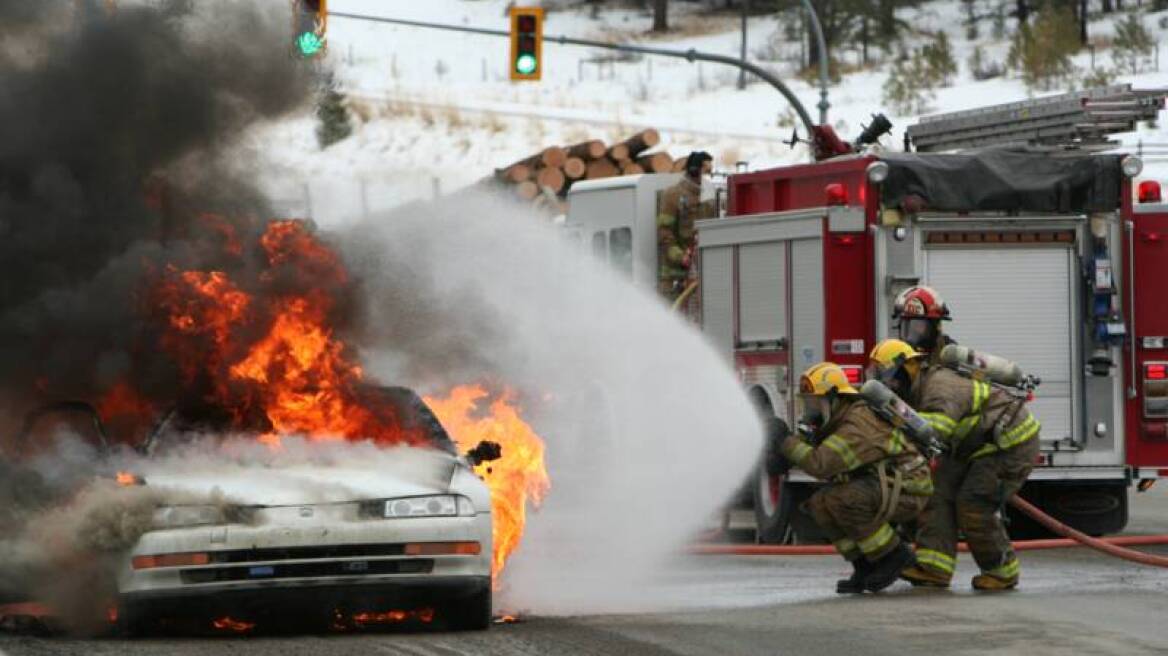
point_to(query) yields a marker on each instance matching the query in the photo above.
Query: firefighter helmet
(920, 302)
(892, 353)
(825, 379)
(896, 364)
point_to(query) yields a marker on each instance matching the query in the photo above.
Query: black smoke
(116, 129)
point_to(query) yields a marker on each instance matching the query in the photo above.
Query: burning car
(351, 534)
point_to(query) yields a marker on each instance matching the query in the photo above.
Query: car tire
(472, 613)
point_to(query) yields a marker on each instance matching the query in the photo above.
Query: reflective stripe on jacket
(857, 439)
(971, 416)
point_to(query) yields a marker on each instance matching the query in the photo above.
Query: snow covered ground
(434, 110)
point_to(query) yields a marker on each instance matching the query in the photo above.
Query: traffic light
(309, 20)
(526, 43)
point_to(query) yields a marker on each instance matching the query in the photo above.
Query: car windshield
(406, 407)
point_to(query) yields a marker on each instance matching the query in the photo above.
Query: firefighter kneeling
(992, 444)
(877, 478)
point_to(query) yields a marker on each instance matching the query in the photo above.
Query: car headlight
(183, 516)
(439, 505)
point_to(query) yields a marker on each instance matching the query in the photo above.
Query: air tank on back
(982, 364)
(877, 395)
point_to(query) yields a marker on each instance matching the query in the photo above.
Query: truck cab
(616, 220)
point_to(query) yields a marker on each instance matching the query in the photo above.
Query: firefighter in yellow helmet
(992, 442)
(876, 477)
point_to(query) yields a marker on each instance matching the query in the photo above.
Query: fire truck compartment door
(1016, 303)
(717, 290)
(807, 304)
(762, 290)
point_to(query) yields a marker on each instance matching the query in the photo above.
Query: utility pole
(742, 72)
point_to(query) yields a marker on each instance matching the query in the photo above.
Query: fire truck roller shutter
(807, 311)
(717, 270)
(762, 289)
(1016, 302)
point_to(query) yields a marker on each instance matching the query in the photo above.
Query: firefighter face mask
(897, 378)
(921, 334)
(816, 410)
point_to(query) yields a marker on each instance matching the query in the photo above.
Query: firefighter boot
(991, 583)
(1004, 577)
(855, 584)
(925, 577)
(886, 570)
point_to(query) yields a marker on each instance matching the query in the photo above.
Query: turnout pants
(968, 496)
(849, 514)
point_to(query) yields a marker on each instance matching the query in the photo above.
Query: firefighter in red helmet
(918, 312)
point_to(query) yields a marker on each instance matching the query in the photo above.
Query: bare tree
(660, 9)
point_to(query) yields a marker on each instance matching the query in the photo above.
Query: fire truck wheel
(1093, 508)
(772, 506)
(804, 530)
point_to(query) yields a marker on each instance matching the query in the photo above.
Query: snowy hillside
(434, 110)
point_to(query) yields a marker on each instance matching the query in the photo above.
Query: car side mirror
(484, 451)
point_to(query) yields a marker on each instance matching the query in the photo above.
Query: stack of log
(553, 171)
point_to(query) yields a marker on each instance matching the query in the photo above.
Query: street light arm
(823, 71)
(690, 55)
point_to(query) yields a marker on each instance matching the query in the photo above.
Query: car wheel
(472, 613)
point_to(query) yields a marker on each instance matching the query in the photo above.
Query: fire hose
(1114, 546)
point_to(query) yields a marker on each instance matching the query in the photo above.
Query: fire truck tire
(1095, 508)
(772, 507)
(804, 530)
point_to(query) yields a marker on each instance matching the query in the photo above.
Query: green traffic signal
(525, 64)
(309, 44)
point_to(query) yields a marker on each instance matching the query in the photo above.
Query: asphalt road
(1071, 601)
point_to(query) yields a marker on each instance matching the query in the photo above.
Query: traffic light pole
(690, 55)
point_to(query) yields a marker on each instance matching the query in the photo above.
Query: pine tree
(1132, 45)
(1041, 54)
(940, 66)
(333, 115)
(908, 89)
(981, 68)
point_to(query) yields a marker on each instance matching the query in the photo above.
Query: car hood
(374, 475)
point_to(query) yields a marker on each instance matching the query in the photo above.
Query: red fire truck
(1052, 256)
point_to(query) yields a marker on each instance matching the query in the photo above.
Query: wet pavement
(1071, 601)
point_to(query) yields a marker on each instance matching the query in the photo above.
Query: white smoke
(648, 431)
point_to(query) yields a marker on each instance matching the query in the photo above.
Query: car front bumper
(304, 605)
(285, 559)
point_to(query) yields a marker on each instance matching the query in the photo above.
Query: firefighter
(992, 442)
(679, 207)
(918, 312)
(876, 478)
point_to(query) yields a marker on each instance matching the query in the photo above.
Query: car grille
(305, 553)
(306, 570)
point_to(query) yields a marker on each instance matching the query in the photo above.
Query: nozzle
(879, 127)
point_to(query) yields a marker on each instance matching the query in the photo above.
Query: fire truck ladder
(1080, 119)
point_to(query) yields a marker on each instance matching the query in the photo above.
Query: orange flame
(516, 478)
(262, 349)
(230, 624)
(126, 479)
(423, 615)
